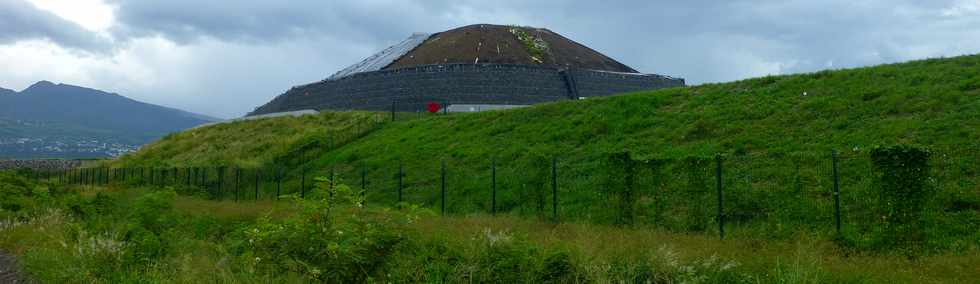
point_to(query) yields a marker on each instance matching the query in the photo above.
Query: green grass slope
(776, 134)
(249, 143)
(930, 102)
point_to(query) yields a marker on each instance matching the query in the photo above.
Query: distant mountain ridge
(84, 114)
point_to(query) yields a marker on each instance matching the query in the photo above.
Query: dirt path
(8, 270)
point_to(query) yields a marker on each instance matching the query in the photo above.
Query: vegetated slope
(485, 43)
(931, 102)
(249, 143)
(776, 134)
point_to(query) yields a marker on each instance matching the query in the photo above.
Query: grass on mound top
(246, 143)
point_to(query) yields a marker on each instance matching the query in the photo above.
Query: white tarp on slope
(383, 58)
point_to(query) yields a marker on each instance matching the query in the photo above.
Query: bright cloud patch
(94, 15)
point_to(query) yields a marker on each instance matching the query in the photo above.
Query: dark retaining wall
(460, 84)
(39, 164)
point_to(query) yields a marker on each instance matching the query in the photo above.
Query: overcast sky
(223, 58)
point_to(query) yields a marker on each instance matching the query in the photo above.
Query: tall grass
(152, 236)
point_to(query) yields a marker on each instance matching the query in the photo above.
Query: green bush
(901, 183)
(20, 195)
(150, 222)
(320, 246)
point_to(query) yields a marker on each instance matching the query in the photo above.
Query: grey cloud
(20, 20)
(257, 21)
(699, 40)
(692, 39)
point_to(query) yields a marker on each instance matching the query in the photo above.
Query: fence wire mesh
(778, 194)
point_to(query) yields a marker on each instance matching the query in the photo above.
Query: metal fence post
(442, 186)
(628, 189)
(302, 182)
(238, 180)
(363, 185)
(554, 187)
(258, 174)
(401, 172)
(220, 174)
(278, 183)
(834, 159)
(493, 186)
(721, 210)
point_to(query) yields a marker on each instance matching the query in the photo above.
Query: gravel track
(8, 270)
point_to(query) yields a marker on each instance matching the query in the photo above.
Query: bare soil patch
(9, 272)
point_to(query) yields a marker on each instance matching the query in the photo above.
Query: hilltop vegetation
(249, 143)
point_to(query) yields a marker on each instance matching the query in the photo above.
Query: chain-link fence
(777, 195)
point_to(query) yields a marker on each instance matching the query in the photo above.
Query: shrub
(901, 185)
(19, 193)
(150, 220)
(320, 246)
(501, 257)
(557, 267)
(154, 211)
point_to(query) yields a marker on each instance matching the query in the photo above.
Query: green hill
(776, 134)
(66, 121)
(931, 102)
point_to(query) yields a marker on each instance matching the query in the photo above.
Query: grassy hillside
(250, 143)
(776, 134)
(931, 102)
